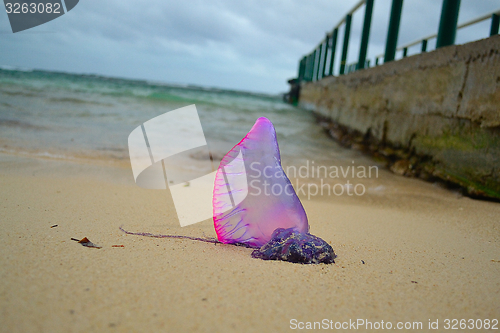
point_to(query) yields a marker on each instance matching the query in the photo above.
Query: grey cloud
(252, 45)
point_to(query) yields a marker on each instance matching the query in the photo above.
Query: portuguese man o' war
(253, 169)
(255, 205)
(291, 245)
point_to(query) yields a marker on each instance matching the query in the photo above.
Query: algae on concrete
(443, 106)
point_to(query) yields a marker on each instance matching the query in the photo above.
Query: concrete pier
(441, 108)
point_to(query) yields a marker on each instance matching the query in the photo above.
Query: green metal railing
(321, 61)
(312, 67)
(495, 23)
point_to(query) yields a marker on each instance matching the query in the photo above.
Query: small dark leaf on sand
(85, 242)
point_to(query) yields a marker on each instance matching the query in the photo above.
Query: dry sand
(428, 255)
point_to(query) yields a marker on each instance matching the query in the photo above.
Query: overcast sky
(252, 45)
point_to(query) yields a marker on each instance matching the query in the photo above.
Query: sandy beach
(125, 120)
(415, 254)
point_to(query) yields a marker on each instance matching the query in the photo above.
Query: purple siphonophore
(252, 194)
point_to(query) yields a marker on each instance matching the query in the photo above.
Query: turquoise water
(72, 116)
(77, 117)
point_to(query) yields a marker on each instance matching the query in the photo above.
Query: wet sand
(413, 252)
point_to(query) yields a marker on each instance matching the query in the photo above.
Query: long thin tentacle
(207, 240)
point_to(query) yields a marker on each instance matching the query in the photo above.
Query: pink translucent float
(252, 194)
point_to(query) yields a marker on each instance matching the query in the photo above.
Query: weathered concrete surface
(444, 104)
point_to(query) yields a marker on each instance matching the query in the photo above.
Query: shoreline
(407, 255)
(403, 161)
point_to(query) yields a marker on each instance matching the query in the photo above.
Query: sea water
(89, 117)
(65, 115)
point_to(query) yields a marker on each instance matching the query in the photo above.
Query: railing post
(319, 62)
(334, 47)
(313, 71)
(306, 67)
(366, 34)
(302, 66)
(393, 31)
(300, 70)
(310, 67)
(304, 62)
(495, 22)
(327, 44)
(424, 46)
(448, 23)
(405, 52)
(343, 59)
(321, 57)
